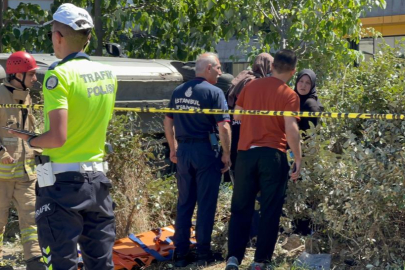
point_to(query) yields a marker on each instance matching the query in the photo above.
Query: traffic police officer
(199, 162)
(17, 168)
(73, 204)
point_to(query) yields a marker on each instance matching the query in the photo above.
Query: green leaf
(211, 4)
(16, 33)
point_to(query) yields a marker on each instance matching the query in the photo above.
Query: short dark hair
(75, 39)
(284, 61)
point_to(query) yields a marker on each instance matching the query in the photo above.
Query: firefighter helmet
(20, 62)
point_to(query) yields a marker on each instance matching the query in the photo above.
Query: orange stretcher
(144, 248)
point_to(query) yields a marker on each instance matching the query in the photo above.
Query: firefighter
(17, 165)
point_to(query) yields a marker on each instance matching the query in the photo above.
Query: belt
(80, 167)
(193, 140)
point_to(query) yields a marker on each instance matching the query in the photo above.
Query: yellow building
(390, 22)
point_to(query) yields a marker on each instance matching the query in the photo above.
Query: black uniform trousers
(77, 209)
(198, 178)
(258, 169)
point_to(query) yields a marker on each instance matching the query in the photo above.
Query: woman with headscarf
(305, 87)
(261, 68)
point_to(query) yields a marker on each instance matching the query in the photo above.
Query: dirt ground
(286, 253)
(13, 253)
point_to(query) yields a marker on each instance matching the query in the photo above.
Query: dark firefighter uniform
(198, 165)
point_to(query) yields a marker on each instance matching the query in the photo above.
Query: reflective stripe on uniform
(10, 166)
(29, 230)
(47, 257)
(30, 169)
(17, 170)
(1, 239)
(29, 162)
(28, 238)
(30, 166)
(17, 174)
(29, 234)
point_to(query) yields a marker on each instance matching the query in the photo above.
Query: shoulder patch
(51, 82)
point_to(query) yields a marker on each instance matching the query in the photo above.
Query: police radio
(214, 143)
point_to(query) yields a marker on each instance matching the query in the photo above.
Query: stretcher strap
(167, 241)
(151, 252)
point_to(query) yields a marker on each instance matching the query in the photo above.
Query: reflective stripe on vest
(17, 170)
(29, 234)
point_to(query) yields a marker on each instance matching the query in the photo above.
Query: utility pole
(98, 27)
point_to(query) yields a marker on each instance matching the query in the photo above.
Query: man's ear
(19, 76)
(59, 38)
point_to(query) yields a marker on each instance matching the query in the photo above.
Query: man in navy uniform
(199, 162)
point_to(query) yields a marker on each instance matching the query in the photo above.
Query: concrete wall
(394, 7)
(44, 4)
(228, 49)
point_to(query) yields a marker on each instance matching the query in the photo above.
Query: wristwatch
(29, 141)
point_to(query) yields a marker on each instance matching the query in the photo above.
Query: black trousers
(198, 178)
(258, 169)
(77, 209)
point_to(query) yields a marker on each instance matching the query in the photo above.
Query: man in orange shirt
(262, 151)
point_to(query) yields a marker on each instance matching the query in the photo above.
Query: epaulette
(53, 66)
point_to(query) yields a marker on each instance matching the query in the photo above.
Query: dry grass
(221, 266)
(13, 254)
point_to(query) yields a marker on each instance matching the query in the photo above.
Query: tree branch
(99, 27)
(309, 30)
(274, 11)
(136, 8)
(267, 16)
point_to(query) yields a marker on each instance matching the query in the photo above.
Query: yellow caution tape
(388, 116)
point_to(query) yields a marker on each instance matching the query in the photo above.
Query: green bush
(353, 172)
(132, 171)
(352, 178)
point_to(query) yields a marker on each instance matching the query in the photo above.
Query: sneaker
(36, 263)
(232, 263)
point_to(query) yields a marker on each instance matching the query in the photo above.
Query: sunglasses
(51, 32)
